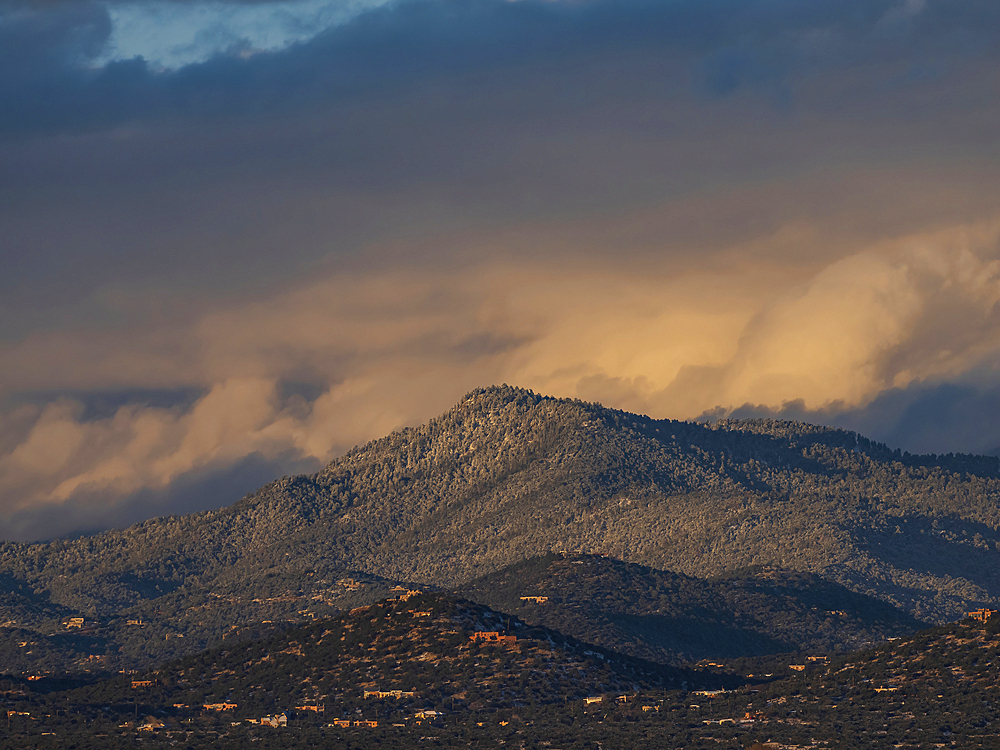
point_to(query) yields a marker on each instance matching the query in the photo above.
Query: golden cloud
(389, 349)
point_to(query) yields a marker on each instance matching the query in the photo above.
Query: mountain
(507, 475)
(673, 618)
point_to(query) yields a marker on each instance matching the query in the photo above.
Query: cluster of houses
(981, 614)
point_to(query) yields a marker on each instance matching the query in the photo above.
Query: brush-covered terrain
(412, 673)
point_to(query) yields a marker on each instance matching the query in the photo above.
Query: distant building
(402, 594)
(535, 599)
(281, 720)
(142, 684)
(318, 709)
(981, 614)
(226, 706)
(390, 693)
(75, 622)
(492, 636)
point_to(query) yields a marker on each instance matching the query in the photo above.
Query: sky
(240, 237)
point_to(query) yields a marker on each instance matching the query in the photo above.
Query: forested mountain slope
(673, 618)
(507, 474)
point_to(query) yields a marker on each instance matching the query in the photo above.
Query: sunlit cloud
(387, 350)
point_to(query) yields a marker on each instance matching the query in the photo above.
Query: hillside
(507, 475)
(673, 618)
(390, 662)
(411, 673)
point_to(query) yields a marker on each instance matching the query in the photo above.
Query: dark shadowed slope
(676, 618)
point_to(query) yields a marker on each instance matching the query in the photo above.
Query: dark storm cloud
(921, 419)
(721, 46)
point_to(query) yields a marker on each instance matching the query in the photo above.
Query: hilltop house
(492, 636)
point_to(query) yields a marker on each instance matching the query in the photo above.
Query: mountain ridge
(507, 474)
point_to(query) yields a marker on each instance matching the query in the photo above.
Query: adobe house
(492, 636)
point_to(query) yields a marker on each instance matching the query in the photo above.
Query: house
(142, 683)
(535, 599)
(593, 699)
(426, 714)
(390, 693)
(134, 622)
(75, 622)
(342, 723)
(365, 723)
(981, 614)
(315, 709)
(281, 720)
(797, 667)
(492, 636)
(219, 706)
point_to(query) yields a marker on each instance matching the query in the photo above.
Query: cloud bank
(303, 375)
(242, 267)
